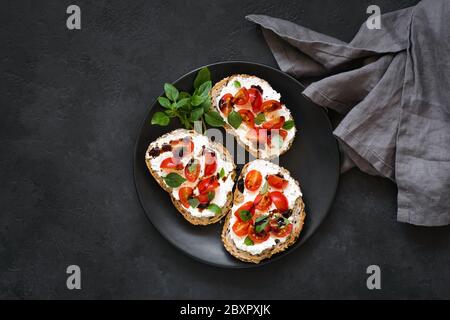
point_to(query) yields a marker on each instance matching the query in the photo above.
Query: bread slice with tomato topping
(197, 173)
(254, 114)
(268, 212)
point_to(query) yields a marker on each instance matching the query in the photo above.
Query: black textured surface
(71, 105)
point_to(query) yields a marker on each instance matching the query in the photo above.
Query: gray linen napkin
(393, 86)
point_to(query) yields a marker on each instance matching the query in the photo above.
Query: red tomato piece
(208, 184)
(171, 163)
(246, 206)
(279, 200)
(210, 163)
(280, 232)
(253, 180)
(192, 170)
(184, 194)
(276, 123)
(241, 97)
(262, 202)
(255, 99)
(241, 228)
(226, 104)
(270, 106)
(277, 181)
(247, 117)
(258, 237)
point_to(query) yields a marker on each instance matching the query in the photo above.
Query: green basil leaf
(183, 95)
(197, 100)
(204, 89)
(206, 105)
(183, 103)
(264, 188)
(203, 75)
(237, 84)
(214, 119)
(164, 102)
(222, 173)
(260, 118)
(171, 113)
(193, 202)
(245, 215)
(196, 113)
(160, 118)
(234, 119)
(288, 125)
(248, 241)
(261, 226)
(171, 92)
(211, 195)
(261, 218)
(174, 180)
(215, 208)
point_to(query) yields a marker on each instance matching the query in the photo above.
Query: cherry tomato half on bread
(226, 104)
(277, 181)
(279, 200)
(276, 123)
(192, 170)
(248, 206)
(270, 106)
(255, 99)
(258, 237)
(184, 193)
(253, 180)
(241, 97)
(171, 163)
(204, 198)
(208, 184)
(280, 231)
(247, 117)
(262, 202)
(210, 163)
(241, 228)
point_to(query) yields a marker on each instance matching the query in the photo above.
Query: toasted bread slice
(165, 147)
(236, 245)
(231, 85)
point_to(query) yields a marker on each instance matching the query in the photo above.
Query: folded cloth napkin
(393, 86)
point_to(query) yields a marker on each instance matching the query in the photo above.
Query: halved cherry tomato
(283, 133)
(277, 181)
(255, 99)
(276, 123)
(204, 198)
(241, 97)
(258, 237)
(226, 103)
(270, 105)
(246, 206)
(253, 180)
(210, 163)
(208, 184)
(279, 200)
(262, 202)
(281, 232)
(241, 228)
(171, 163)
(184, 193)
(192, 170)
(182, 147)
(247, 117)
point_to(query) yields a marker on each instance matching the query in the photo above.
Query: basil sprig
(248, 241)
(288, 125)
(245, 215)
(215, 208)
(188, 107)
(234, 119)
(261, 223)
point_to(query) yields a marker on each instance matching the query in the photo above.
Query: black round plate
(313, 160)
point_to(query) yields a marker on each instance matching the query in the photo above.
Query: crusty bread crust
(220, 149)
(215, 93)
(298, 214)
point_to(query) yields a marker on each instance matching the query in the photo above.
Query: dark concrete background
(71, 106)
